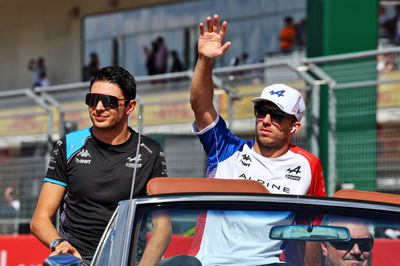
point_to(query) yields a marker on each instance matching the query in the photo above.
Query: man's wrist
(206, 59)
(55, 243)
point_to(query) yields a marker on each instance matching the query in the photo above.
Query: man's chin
(101, 125)
(265, 141)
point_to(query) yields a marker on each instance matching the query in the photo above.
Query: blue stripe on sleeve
(46, 179)
(75, 140)
(219, 143)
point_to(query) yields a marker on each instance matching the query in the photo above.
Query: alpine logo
(291, 171)
(246, 160)
(278, 93)
(132, 161)
(243, 176)
(270, 186)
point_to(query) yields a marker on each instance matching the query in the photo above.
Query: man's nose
(267, 119)
(99, 106)
(355, 249)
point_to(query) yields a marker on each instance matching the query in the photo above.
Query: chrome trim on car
(303, 200)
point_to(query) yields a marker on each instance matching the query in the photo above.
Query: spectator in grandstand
(92, 67)
(44, 81)
(300, 29)
(91, 170)
(11, 198)
(397, 32)
(270, 158)
(150, 58)
(287, 35)
(9, 209)
(176, 62)
(161, 56)
(386, 62)
(356, 251)
(234, 61)
(392, 26)
(384, 23)
(37, 67)
(246, 59)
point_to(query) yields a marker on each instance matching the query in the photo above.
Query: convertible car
(210, 215)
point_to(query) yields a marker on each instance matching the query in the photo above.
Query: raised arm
(202, 88)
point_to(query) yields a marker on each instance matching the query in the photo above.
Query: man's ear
(324, 249)
(295, 127)
(130, 107)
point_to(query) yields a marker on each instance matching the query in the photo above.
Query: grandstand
(363, 157)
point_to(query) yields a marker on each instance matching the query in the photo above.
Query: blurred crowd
(160, 60)
(38, 68)
(292, 36)
(389, 24)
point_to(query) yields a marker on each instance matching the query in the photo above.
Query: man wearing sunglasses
(356, 251)
(91, 170)
(269, 159)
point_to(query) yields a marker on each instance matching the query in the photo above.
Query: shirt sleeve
(160, 166)
(317, 186)
(218, 142)
(57, 168)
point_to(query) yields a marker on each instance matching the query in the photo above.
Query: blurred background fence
(352, 122)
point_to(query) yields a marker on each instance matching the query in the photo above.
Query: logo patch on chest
(293, 171)
(83, 155)
(246, 160)
(132, 161)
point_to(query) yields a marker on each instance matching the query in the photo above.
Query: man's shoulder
(149, 143)
(75, 140)
(311, 158)
(79, 133)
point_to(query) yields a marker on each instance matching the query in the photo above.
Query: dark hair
(119, 76)
(288, 19)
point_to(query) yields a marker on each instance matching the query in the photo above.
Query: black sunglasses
(276, 115)
(364, 244)
(108, 101)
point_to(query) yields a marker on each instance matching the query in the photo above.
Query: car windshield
(243, 232)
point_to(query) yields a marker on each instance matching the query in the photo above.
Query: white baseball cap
(289, 100)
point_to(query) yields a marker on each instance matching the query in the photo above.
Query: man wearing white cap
(269, 159)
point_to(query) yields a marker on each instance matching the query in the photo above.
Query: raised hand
(210, 41)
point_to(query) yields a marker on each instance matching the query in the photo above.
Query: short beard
(265, 145)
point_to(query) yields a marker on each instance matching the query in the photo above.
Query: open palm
(210, 41)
